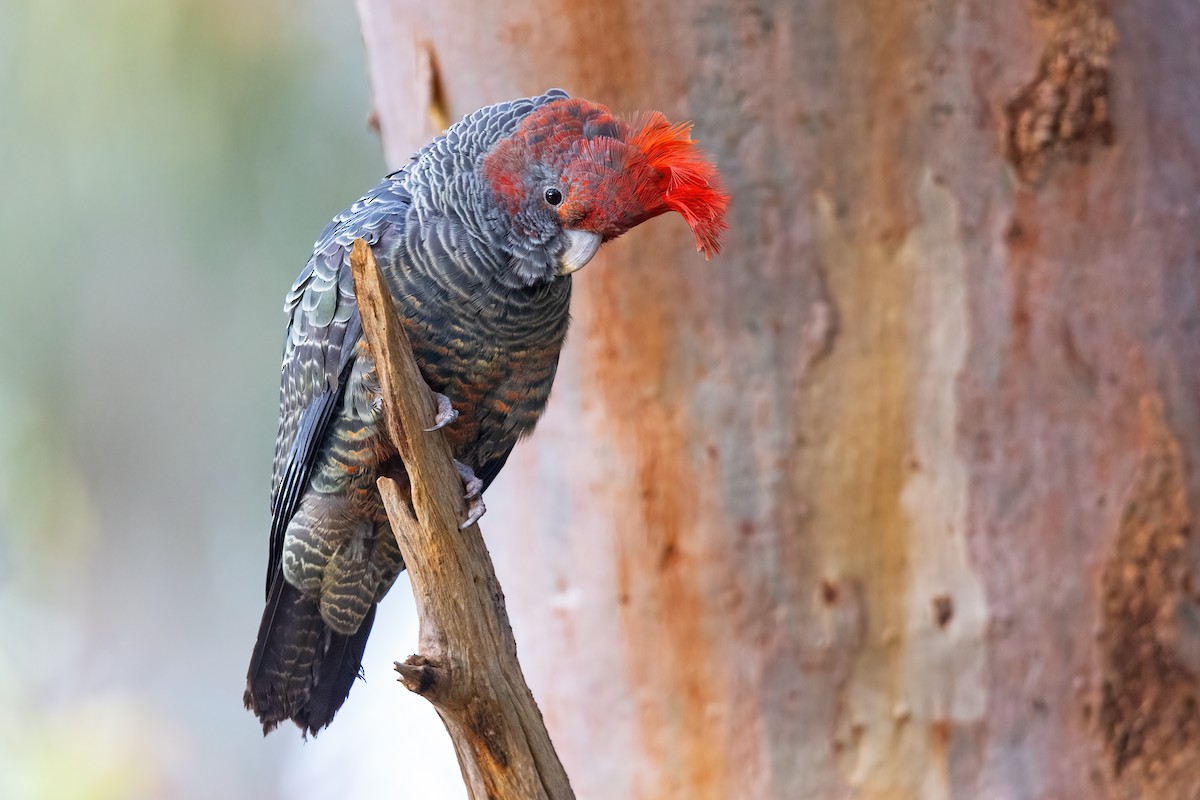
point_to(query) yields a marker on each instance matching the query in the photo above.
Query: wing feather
(320, 345)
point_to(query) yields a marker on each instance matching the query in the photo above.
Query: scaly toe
(472, 484)
(474, 493)
(475, 510)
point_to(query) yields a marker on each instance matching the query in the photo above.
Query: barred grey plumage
(476, 238)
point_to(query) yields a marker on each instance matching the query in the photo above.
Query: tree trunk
(895, 497)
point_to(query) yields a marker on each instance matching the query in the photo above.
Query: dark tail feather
(341, 665)
(300, 669)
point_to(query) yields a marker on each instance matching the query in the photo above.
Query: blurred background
(895, 499)
(165, 169)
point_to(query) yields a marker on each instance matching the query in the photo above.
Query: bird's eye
(553, 196)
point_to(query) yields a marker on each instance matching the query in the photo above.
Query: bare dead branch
(467, 666)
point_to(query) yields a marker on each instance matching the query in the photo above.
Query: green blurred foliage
(164, 169)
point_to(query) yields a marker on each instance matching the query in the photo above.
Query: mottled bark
(467, 665)
(896, 497)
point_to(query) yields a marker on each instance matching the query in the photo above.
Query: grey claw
(446, 413)
(475, 510)
(474, 493)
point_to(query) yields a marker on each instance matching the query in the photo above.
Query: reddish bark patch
(634, 372)
(1149, 718)
(1064, 110)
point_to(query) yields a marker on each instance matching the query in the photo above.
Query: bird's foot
(446, 413)
(474, 495)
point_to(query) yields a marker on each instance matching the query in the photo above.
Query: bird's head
(573, 176)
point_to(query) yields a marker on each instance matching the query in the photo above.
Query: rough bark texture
(467, 665)
(896, 498)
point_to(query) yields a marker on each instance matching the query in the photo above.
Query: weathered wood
(467, 663)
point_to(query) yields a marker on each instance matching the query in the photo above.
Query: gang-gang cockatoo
(477, 238)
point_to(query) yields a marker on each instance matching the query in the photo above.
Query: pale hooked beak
(581, 246)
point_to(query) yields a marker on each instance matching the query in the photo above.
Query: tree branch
(467, 666)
